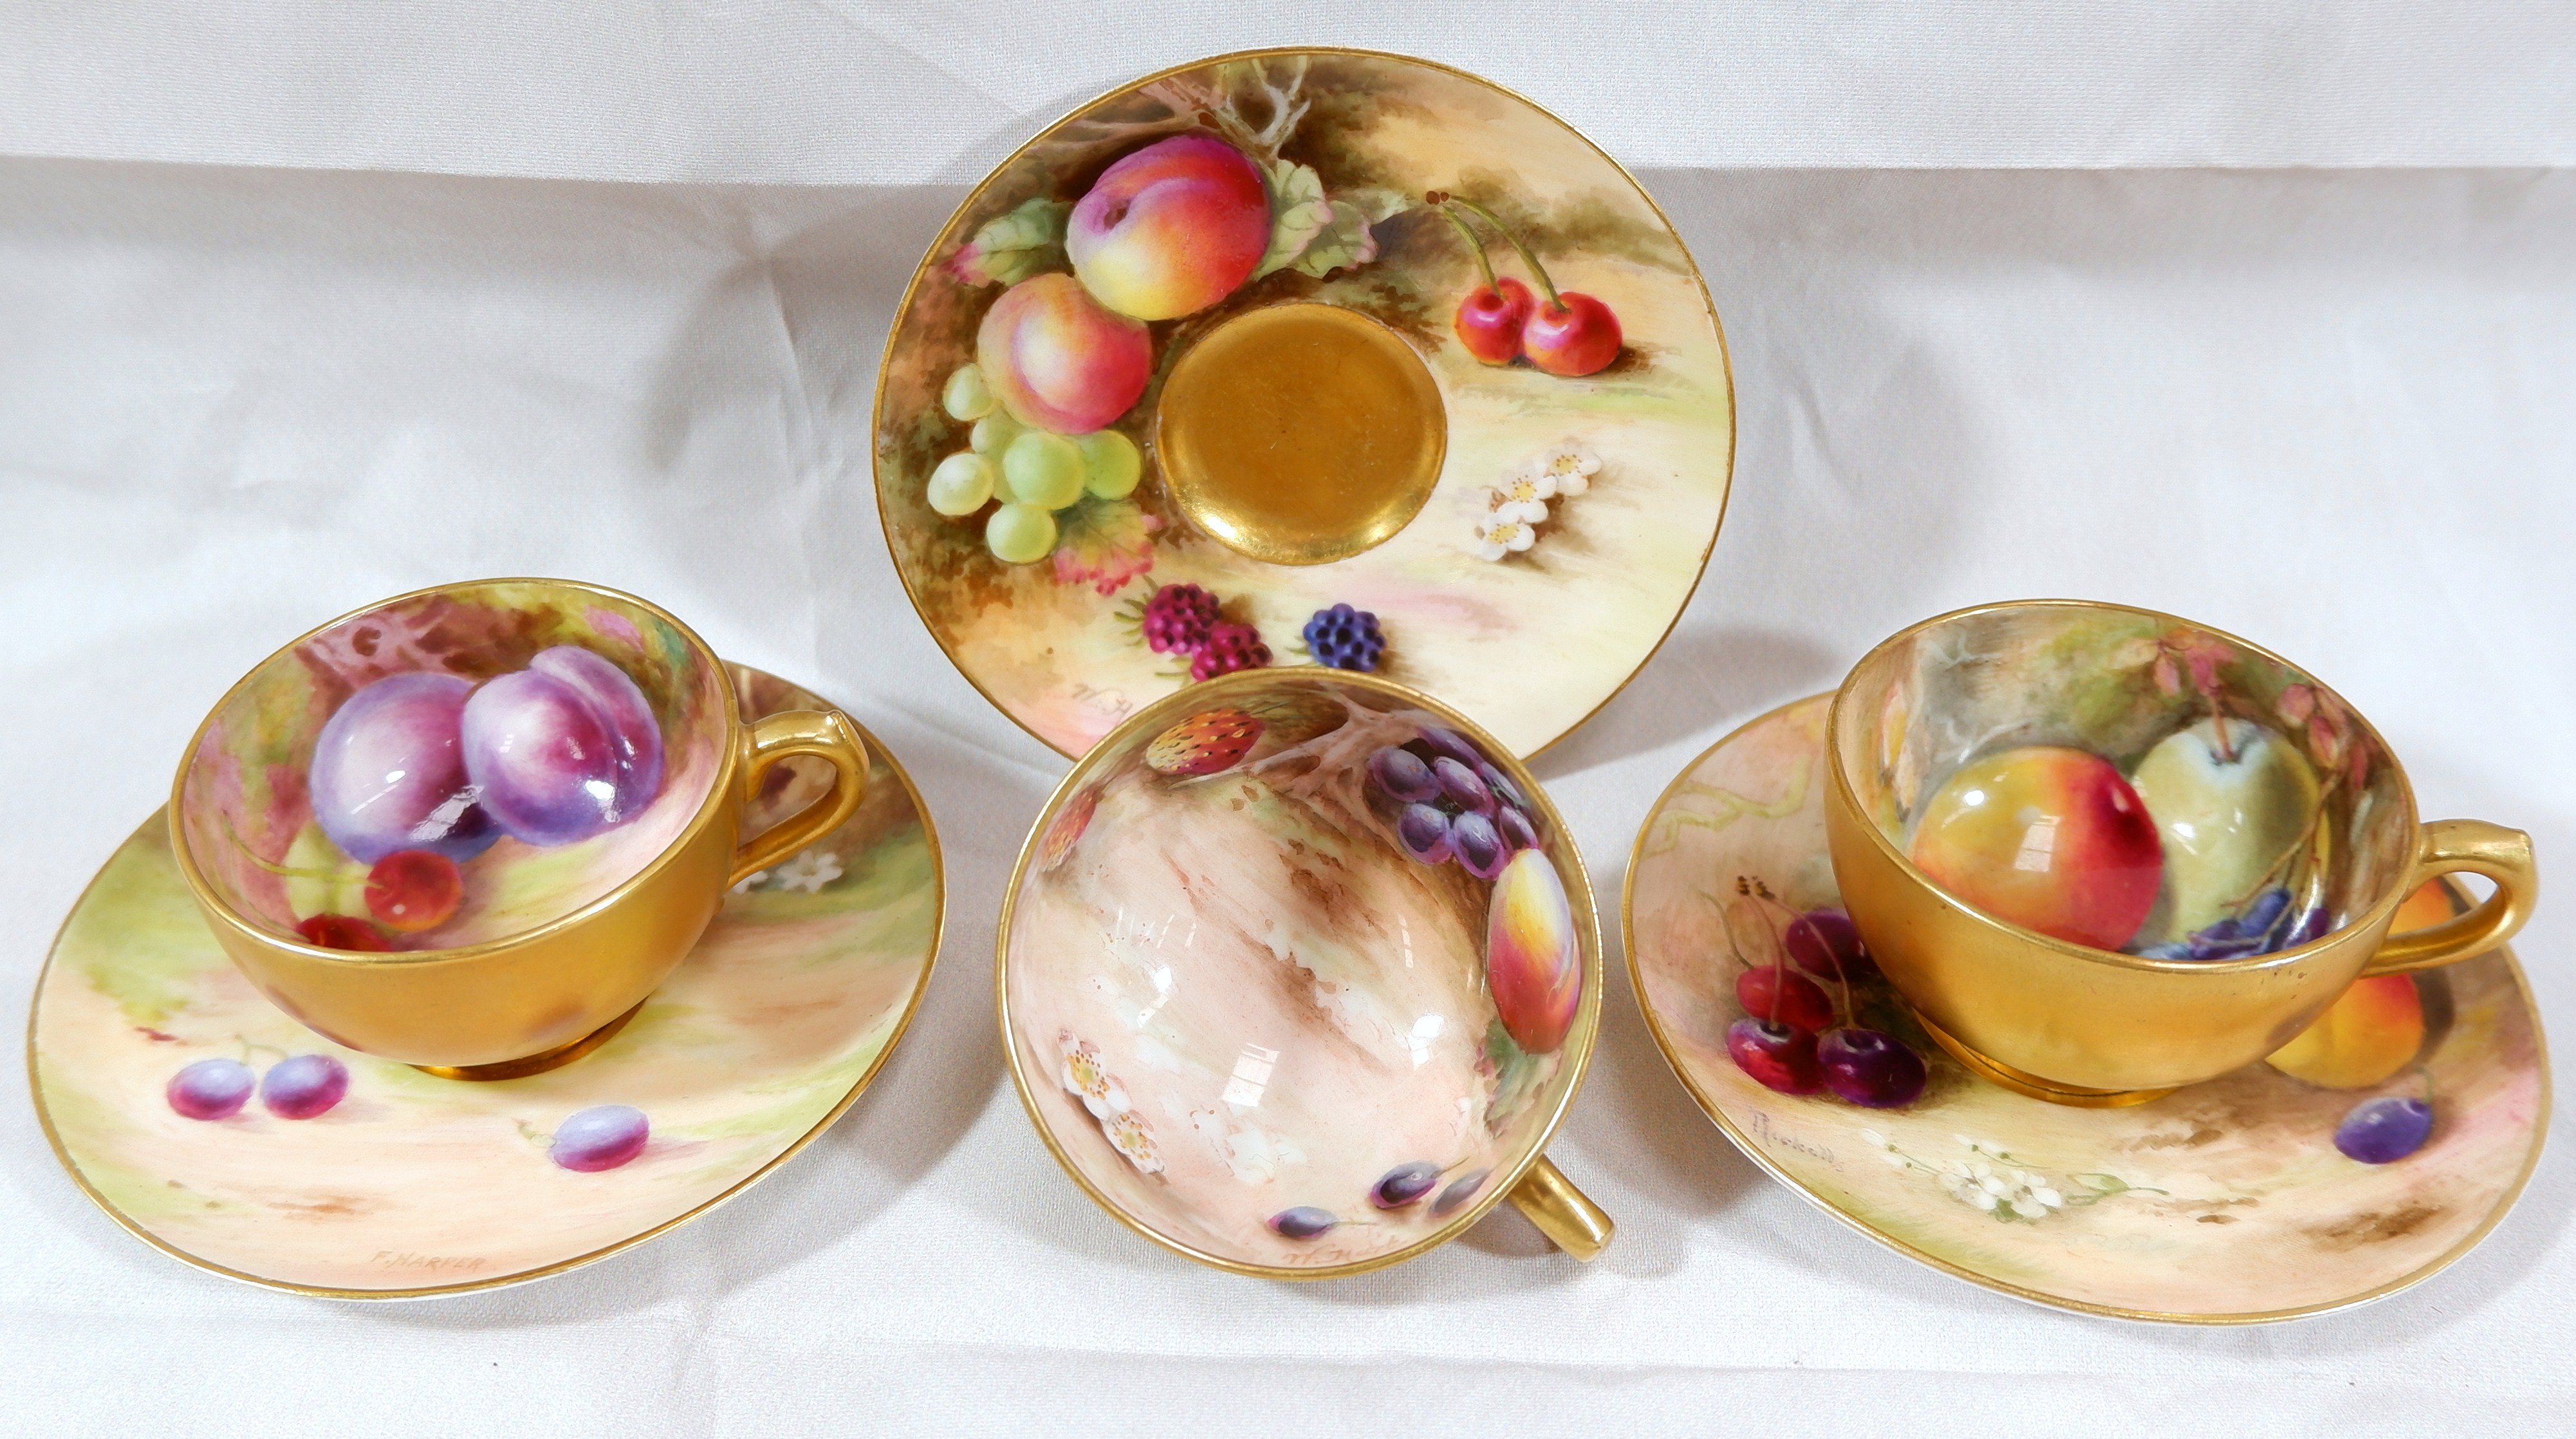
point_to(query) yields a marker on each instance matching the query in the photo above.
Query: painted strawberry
(1205, 743)
(1069, 824)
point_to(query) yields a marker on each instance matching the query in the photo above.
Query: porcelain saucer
(412, 1185)
(2221, 1203)
(1262, 361)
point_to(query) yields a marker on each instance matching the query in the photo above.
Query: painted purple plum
(2383, 1131)
(601, 1137)
(302, 1087)
(1460, 1190)
(563, 749)
(389, 773)
(1404, 1184)
(211, 1088)
(1303, 1222)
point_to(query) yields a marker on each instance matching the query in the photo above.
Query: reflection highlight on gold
(1301, 434)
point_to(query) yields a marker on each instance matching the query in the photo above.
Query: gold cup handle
(1570, 1221)
(2449, 846)
(825, 734)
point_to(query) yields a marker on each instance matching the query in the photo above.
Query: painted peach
(1058, 361)
(2050, 838)
(2364, 1037)
(1533, 959)
(1170, 229)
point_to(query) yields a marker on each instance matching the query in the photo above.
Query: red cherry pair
(1568, 334)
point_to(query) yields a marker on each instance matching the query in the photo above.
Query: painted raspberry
(1229, 647)
(1343, 638)
(1178, 618)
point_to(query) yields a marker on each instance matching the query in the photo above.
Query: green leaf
(1298, 213)
(1015, 246)
(1346, 241)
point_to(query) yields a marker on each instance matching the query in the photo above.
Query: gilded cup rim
(1579, 1041)
(1847, 798)
(215, 906)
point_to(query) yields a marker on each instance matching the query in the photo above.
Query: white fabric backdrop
(2324, 410)
(871, 92)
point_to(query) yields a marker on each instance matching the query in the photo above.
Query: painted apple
(388, 772)
(2050, 838)
(1533, 961)
(2227, 812)
(1057, 360)
(2369, 1033)
(1170, 229)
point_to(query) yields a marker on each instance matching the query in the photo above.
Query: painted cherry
(1490, 318)
(1777, 1056)
(1565, 333)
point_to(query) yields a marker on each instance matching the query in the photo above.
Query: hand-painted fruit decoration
(304, 1086)
(1229, 647)
(1777, 1056)
(1171, 229)
(211, 1088)
(1343, 638)
(2047, 837)
(2383, 1131)
(1826, 942)
(2230, 805)
(1303, 1222)
(1489, 320)
(1459, 1191)
(2372, 1031)
(1066, 832)
(411, 890)
(388, 772)
(601, 1137)
(1059, 362)
(1205, 743)
(1869, 1068)
(562, 750)
(1404, 1184)
(341, 931)
(1176, 621)
(1563, 332)
(1533, 956)
(1769, 991)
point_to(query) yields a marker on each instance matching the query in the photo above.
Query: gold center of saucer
(1301, 434)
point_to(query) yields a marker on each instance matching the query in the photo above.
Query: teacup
(2105, 852)
(1297, 974)
(470, 828)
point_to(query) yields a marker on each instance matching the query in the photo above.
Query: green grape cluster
(1033, 473)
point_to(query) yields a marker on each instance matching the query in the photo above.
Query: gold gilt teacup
(2105, 852)
(472, 827)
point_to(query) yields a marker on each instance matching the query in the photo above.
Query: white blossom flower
(809, 871)
(1085, 1076)
(1497, 537)
(1570, 466)
(1129, 1136)
(751, 881)
(1522, 496)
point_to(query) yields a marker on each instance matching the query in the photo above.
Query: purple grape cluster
(2268, 924)
(1452, 803)
(297, 1088)
(1343, 638)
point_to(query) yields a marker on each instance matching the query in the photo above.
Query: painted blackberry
(1229, 647)
(1177, 619)
(1343, 638)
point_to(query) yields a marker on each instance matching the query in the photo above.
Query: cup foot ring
(2031, 1085)
(521, 1068)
